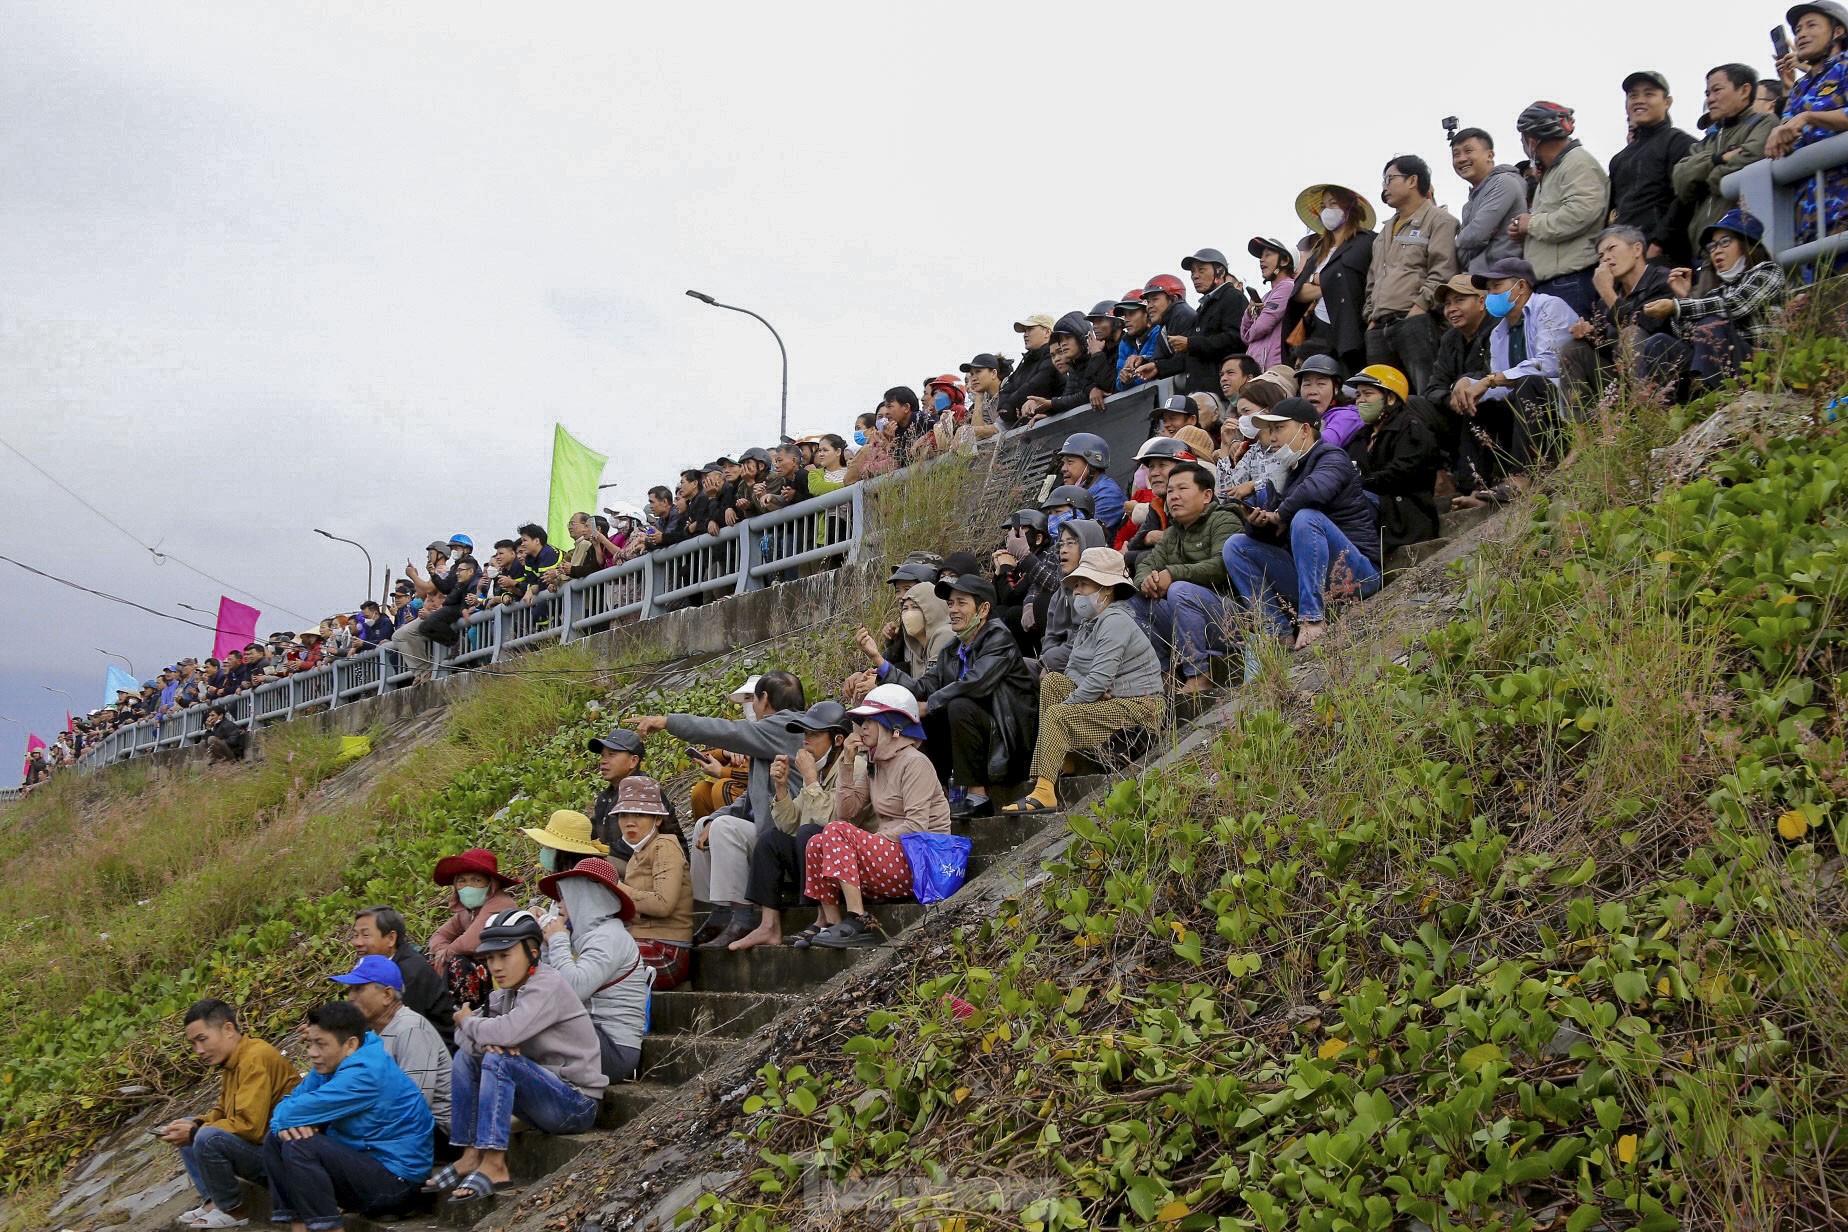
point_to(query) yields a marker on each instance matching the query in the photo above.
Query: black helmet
(1322, 365)
(1165, 447)
(1025, 519)
(506, 929)
(1094, 449)
(757, 455)
(1545, 121)
(1073, 495)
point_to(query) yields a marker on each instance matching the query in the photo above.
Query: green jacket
(1697, 177)
(1195, 553)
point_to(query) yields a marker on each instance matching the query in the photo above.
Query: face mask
(1499, 304)
(1286, 456)
(1084, 608)
(1370, 412)
(883, 424)
(1734, 274)
(1248, 427)
(1333, 217)
(1054, 522)
(942, 401)
(859, 436)
(548, 859)
(473, 896)
(914, 622)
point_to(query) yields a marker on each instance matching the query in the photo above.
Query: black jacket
(1343, 278)
(1398, 462)
(1325, 480)
(1628, 310)
(1457, 357)
(1098, 371)
(1643, 189)
(426, 992)
(1213, 335)
(991, 672)
(1034, 378)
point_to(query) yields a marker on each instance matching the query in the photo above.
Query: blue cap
(1739, 223)
(373, 969)
(464, 540)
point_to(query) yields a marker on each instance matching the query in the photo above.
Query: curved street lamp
(356, 543)
(783, 421)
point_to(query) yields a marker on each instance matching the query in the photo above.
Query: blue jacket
(1149, 349)
(369, 1104)
(1327, 481)
(375, 632)
(1107, 503)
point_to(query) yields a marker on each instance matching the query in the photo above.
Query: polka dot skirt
(845, 852)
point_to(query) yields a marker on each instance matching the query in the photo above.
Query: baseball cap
(621, 740)
(986, 360)
(373, 969)
(1460, 284)
(1646, 76)
(1507, 267)
(1039, 319)
(1292, 410)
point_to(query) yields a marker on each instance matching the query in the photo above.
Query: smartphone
(1780, 42)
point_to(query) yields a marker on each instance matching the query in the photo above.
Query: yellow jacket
(256, 1077)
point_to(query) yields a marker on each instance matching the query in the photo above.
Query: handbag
(939, 864)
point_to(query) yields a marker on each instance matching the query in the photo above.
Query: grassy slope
(136, 895)
(1542, 928)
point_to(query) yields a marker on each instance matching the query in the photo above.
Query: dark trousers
(313, 1179)
(777, 868)
(958, 737)
(1509, 434)
(217, 750)
(1408, 344)
(1576, 289)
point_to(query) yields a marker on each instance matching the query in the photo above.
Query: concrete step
(669, 1061)
(694, 1011)
(768, 968)
(626, 1101)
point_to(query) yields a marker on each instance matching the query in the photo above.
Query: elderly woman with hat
(889, 775)
(976, 700)
(1111, 683)
(534, 1053)
(477, 890)
(657, 881)
(565, 840)
(1720, 330)
(587, 944)
(802, 802)
(1264, 325)
(1331, 291)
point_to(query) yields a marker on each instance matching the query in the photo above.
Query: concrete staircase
(732, 997)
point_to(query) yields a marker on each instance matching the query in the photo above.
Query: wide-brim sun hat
(567, 830)
(1309, 207)
(474, 860)
(593, 869)
(1104, 566)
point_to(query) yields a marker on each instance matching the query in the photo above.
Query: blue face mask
(1054, 522)
(942, 401)
(1499, 304)
(859, 436)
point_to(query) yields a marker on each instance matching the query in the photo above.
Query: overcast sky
(265, 268)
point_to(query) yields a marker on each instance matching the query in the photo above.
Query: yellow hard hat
(1384, 377)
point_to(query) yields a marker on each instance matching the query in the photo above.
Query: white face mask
(1286, 455)
(1248, 427)
(1734, 274)
(1332, 217)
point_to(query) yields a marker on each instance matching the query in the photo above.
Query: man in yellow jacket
(227, 1142)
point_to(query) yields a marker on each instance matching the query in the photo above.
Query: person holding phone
(1815, 111)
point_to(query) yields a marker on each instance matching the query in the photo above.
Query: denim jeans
(1189, 626)
(1265, 573)
(313, 1179)
(487, 1091)
(1575, 288)
(215, 1160)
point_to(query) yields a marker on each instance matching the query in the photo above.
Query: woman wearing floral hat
(657, 881)
(477, 890)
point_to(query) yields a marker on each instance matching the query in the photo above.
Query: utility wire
(52, 577)
(159, 556)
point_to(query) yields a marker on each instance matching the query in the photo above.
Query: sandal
(804, 939)
(448, 1178)
(475, 1187)
(852, 933)
(1027, 806)
(1500, 494)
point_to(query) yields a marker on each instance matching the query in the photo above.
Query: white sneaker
(216, 1218)
(186, 1218)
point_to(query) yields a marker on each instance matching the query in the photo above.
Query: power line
(52, 577)
(153, 551)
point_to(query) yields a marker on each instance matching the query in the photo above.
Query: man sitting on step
(376, 986)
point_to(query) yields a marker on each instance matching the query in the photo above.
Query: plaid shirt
(1749, 304)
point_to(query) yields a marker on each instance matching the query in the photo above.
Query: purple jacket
(1340, 425)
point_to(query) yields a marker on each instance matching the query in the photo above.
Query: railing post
(857, 504)
(750, 552)
(569, 595)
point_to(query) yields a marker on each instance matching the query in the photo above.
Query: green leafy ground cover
(1543, 928)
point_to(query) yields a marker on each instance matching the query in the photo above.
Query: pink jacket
(1264, 330)
(459, 933)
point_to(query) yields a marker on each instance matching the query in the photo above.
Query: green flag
(576, 471)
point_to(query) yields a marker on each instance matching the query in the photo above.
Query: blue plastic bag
(939, 864)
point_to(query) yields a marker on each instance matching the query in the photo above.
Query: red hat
(474, 860)
(596, 869)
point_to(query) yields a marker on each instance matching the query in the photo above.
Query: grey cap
(1507, 267)
(913, 571)
(621, 740)
(1206, 256)
(822, 716)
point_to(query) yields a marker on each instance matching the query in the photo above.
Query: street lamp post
(783, 421)
(356, 543)
(113, 655)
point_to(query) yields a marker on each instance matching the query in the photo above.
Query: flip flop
(475, 1187)
(1027, 806)
(448, 1178)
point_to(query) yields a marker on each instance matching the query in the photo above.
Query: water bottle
(955, 793)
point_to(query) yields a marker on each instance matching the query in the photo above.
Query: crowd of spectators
(1386, 373)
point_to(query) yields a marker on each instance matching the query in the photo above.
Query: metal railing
(1768, 190)
(822, 531)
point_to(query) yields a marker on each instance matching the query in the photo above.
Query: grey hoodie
(763, 742)
(597, 949)
(544, 1019)
(1112, 655)
(1482, 235)
(1056, 642)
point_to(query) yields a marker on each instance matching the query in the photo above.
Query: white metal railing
(1769, 190)
(758, 552)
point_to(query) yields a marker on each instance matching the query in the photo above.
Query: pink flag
(237, 627)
